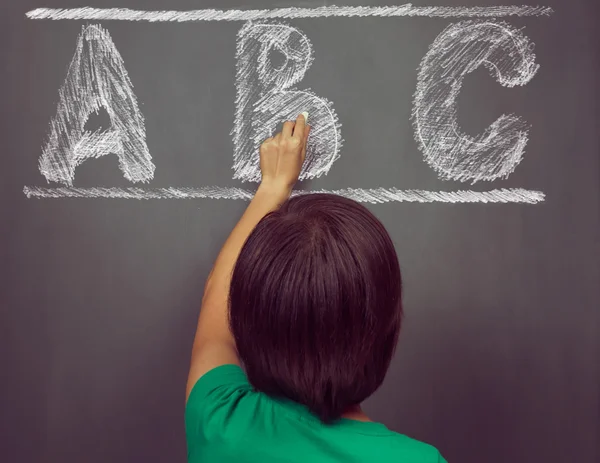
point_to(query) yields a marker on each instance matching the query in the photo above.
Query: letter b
(265, 97)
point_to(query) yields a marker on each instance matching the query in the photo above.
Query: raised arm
(281, 159)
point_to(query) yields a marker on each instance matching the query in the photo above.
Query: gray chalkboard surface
(129, 136)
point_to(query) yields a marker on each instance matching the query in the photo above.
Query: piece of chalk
(305, 114)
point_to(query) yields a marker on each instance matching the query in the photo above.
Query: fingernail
(305, 114)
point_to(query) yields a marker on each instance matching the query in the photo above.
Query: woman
(305, 293)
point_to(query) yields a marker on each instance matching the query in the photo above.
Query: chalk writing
(96, 78)
(458, 50)
(365, 195)
(266, 96)
(126, 14)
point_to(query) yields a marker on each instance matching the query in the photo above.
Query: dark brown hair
(315, 303)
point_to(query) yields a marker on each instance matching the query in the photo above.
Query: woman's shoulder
(223, 408)
(416, 450)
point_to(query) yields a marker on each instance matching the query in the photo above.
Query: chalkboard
(470, 128)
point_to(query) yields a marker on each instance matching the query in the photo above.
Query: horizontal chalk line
(372, 195)
(126, 14)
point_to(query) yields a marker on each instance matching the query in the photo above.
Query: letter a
(96, 79)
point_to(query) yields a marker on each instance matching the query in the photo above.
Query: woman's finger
(288, 128)
(265, 143)
(305, 142)
(306, 132)
(299, 127)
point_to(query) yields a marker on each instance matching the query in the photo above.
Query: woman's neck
(355, 413)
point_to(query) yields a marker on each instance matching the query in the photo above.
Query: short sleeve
(214, 406)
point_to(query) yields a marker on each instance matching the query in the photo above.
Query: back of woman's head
(315, 303)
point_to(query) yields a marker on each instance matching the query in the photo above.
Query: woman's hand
(282, 156)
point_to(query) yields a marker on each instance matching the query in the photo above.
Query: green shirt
(227, 421)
